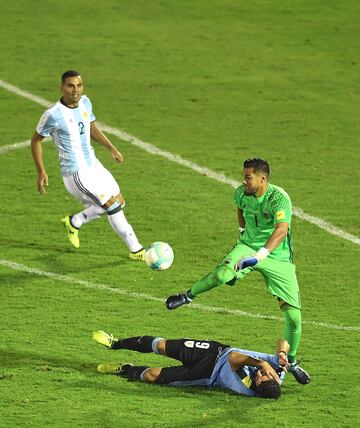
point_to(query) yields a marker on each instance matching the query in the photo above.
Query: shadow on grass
(12, 359)
(54, 257)
(213, 406)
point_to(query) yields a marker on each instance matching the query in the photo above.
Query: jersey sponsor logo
(280, 215)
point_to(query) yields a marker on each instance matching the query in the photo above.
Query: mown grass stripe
(298, 212)
(94, 285)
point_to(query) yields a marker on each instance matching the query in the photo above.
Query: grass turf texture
(214, 82)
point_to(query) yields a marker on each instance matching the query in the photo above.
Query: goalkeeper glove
(251, 261)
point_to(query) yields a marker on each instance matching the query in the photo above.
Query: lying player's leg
(143, 344)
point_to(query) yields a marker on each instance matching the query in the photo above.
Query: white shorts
(92, 186)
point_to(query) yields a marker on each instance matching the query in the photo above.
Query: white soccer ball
(159, 256)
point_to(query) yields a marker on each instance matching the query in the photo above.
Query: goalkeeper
(264, 214)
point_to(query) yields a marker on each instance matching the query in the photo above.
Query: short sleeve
(88, 106)
(238, 194)
(46, 124)
(281, 206)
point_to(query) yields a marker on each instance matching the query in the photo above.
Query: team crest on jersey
(85, 114)
(266, 215)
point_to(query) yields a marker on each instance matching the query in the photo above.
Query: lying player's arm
(237, 360)
(97, 135)
(36, 150)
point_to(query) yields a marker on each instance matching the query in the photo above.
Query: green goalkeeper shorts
(280, 276)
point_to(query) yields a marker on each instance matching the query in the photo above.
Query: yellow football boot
(109, 368)
(138, 255)
(72, 232)
(104, 339)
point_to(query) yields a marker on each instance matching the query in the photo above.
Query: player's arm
(97, 135)
(277, 237)
(36, 150)
(241, 220)
(282, 350)
(238, 360)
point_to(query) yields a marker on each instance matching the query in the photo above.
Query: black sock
(132, 372)
(140, 344)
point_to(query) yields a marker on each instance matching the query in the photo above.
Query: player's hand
(246, 262)
(250, 261)
(283, 360)
(268, 371)
(42, 182)
(117, 156)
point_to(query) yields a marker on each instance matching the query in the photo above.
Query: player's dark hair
(258, 165)
(269, 389)
(69, 73)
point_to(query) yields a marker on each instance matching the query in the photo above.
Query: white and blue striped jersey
(70, 130)
(242, 381)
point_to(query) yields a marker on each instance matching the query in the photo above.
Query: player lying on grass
(264, 215)
(204, 363)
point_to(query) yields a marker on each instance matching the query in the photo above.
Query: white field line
(142, 296)
(298, 212)
(15, 146)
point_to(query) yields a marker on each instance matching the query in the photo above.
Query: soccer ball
(159, 256)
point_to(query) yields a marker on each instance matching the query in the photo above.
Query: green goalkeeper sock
(221, 275)
(292, 330)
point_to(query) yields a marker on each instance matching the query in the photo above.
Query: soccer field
(186, 90)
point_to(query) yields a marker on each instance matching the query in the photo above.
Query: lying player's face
(252, 181)
(72, 90)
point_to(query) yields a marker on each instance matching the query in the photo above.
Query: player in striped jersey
(71, 124)
(205, 363)
(264, 214)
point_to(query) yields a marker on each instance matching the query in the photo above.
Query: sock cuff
(142, 374)
(154, 343)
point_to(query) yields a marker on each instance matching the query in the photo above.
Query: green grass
(214, 82)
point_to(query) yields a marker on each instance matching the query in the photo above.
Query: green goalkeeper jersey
(261, 215)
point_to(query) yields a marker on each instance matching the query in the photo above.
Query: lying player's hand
(268, 371)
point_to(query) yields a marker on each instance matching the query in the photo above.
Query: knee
(160, 346)
(114, 204)
(151, 375)
(121, 200)
(224, 274)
